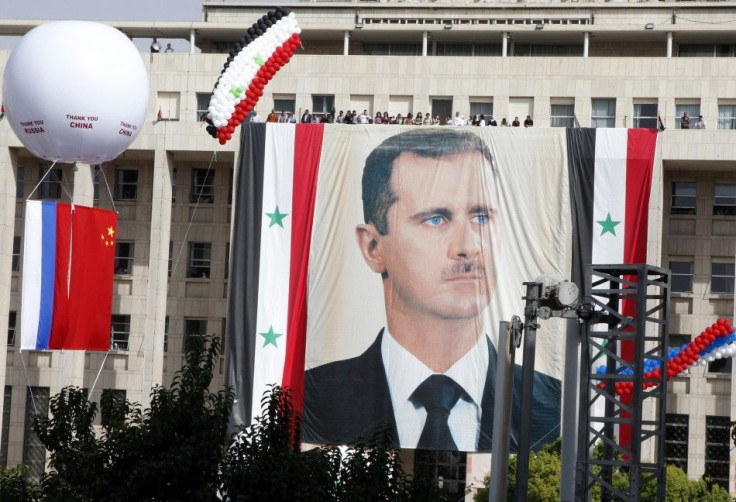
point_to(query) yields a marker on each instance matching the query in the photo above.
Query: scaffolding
(625, 326)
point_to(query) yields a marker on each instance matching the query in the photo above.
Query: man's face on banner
(437, 254)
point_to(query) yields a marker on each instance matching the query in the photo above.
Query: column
(158, 267)
(586, 41)
(424, 43)
(191, 41)
(504, 44)
(8, 159)
(669, 44)
(345, 42)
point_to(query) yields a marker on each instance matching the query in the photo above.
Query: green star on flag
(277, 218)
(608, 225)
(236, 91)
(258, 60)
(270, 337)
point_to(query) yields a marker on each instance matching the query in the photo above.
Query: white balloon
(75, 91)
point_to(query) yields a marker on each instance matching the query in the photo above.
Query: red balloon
(223, 141)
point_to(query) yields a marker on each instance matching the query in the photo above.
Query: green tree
(15, 486)
(544, 481)
(169, 451)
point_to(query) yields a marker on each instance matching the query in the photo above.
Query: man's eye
(434, 221)
(481, 219)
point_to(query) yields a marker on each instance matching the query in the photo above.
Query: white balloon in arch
(75, 91)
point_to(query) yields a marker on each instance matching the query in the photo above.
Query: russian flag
(44, 255)
(68, 264)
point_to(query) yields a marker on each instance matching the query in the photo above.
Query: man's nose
(464, 241)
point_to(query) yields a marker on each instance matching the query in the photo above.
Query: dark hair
(379, 195)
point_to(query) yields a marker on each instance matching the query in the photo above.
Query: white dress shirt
(405, 373)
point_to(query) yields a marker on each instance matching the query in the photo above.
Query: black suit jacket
(348, 400)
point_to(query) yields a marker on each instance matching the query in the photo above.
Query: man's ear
(369, 242)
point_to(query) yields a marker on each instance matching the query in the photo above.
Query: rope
(41, 181)
(28, 383)
(98, 375)
(191, 218)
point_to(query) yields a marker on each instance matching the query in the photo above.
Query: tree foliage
(544, 481)
(177, 449)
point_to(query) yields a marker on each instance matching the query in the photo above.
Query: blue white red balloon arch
(715, 342)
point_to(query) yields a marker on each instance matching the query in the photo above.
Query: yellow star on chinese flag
(110, 231)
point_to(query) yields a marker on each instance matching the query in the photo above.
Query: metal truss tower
(630, 306)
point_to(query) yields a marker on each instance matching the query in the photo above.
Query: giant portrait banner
(371, 266)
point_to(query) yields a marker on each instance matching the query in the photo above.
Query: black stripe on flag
(581, 171)
(245, 249)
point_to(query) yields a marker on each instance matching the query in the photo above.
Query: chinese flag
(94, 232)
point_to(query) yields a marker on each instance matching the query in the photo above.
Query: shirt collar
(405, 372)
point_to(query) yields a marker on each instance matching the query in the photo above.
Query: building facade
(566, 64)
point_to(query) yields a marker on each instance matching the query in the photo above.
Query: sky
(104, 10)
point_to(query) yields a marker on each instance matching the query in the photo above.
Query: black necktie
(438, 394)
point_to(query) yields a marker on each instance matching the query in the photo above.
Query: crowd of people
(353, 117)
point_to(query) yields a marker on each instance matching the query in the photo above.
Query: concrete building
(565, 63)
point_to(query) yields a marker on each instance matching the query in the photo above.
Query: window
(481, 106)
(723, 365)
(682, 276)
(173, 185)
(675, 442)
(6, 426)
(50, 188)
(561, 50)
(203, 103)
(166, 334)
(96, 183)
(446, 467)
(194, 328)
(11, 329)
(284, 103)
(20, 178)
(726, 116)
(200, 258)
(110, 396)
(392, 49)
(203, 186)
(124, 252)
(704, 50)
(724, 199)
(126, 184)
(460, 49)
(562, 115)
(645, 115)
(717, 447)
(119, 332)
(603, 113)
(230, 187)
(168, 105)
(227, 259)
(692, 109)
(16, 253)
(684, 197)
(171, 257)
(34, 452)
(322, 105)
(722, 276)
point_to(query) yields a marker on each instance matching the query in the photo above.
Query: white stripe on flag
(275, 260)
(609, 196)
(31, 292)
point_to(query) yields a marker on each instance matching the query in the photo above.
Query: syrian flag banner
(373, 264)
(68, 264)
(611, 180)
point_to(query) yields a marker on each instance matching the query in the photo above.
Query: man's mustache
(464, 268)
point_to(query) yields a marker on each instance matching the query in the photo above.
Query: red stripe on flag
(90, 287)
(639, 167)
(307, 153)
(60, 323)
